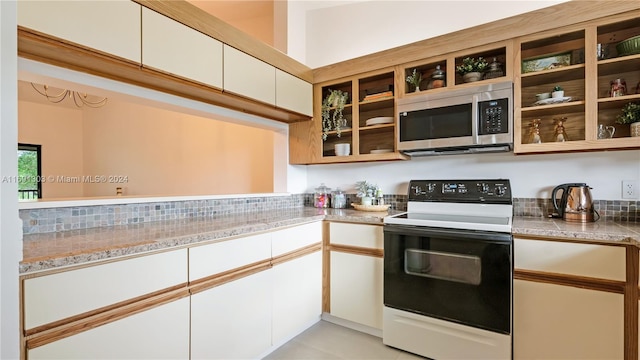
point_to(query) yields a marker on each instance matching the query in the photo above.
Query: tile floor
(326, 340)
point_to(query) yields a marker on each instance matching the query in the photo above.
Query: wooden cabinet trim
(105, 309)
(77, 325)
(582, 282)
(356, 250)
(631, 305)
(209, 282)
(292, 255)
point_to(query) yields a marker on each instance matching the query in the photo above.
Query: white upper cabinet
(293, 93)
(170, 46)
(108, 26)
(247, 76)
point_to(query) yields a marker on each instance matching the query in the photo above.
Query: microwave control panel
(493, 117)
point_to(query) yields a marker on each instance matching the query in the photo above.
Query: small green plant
(630, 114)
(365, 189)
(415, 78)
(558, 88)
(332, 117)
(470, 64)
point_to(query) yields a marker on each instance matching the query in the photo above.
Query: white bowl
(342, 149)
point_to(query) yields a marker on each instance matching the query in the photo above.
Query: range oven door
(462, 276)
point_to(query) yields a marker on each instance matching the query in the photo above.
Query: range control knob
(417, 190)
(431, 187)
(483, 188)
(500, 190)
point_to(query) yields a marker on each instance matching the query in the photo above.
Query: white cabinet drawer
(109, 26)
(598, 261)
(369, 236)
(293, 93)
(175, 48)
(57, 296)
(297, 237)
(219, 257)
(247, 76)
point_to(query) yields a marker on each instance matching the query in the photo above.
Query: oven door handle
(453, 234)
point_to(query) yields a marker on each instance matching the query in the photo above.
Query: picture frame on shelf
(546, 62)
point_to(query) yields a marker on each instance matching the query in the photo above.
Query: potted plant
(332, 107)
(366, 191)
(472, 69)
(631, 115)
(414, 79)
(557, 92)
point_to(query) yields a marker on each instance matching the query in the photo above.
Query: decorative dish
(629, 46)
(552, 100)
(379, 120)
(370, 207)
(380, 151)
(546, 62)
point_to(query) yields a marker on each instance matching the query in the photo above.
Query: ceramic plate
(553, 100)
(380, 151)
(379, 120)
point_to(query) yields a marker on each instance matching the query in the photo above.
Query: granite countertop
(66, 248)
(599, 231)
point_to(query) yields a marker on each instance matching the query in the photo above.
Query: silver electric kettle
(575, 204)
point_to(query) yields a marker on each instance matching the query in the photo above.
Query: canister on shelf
(321, 196)
(618, 88)
(437, 78)
(338, 199)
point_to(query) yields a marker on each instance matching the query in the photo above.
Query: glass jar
(338, 199)
(618, 88)
(321, 196)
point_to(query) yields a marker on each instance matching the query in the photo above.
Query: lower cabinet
(233, 320)
(356, 273)
(297, 296)
(569, 300)
(564, 322)
(243, 297)
(356, 288)
(158, 333)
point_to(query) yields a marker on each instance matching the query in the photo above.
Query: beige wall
(59, 131)
(168, 153)
(159, 152)
(254, 17)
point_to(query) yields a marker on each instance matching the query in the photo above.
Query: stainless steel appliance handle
(454, 234)
(474, 118)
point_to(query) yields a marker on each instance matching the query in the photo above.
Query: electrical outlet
(629, 189)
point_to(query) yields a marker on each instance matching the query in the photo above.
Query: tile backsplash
(609, 210)
(84, 217)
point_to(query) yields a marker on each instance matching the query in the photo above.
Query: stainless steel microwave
(471, 120)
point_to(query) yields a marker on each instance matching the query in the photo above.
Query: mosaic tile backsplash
(84, 217)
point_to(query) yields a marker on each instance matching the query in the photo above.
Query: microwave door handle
(474, 119)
